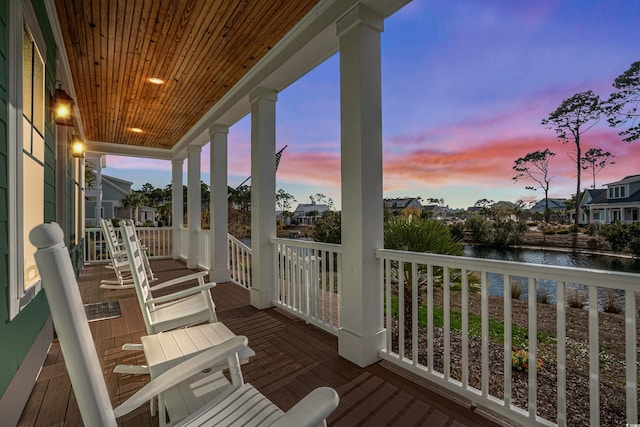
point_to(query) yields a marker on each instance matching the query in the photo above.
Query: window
(618, 192)
(25, 130)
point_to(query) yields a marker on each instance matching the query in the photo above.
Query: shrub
(516, 289)
(148, 223)
(593, 243)
(610, 303)
(480, 230)
(543, 296)
(634, 239)
(563, 231)
(576, 298)
(550, 231)
(592, 229)
(116, 222)
(618, 235)
(327, 228)
(457, 230)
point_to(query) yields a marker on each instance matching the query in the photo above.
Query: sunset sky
(465, 85)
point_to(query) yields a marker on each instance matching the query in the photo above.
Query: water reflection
(548, 287)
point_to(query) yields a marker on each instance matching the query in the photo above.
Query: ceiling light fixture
(155, 80)
(136, 130)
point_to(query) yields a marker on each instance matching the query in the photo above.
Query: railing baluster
(430, 317)
(631, 357)
(561, 334)
(484, 314)
(414, 313)
(594, 358)
(401, 302)
(533, 346)
(446, 307)
(331, 287)
(387, 288)
(465, 328)
(508, 343)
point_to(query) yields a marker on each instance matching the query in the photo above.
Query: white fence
(447, 334)
(309, 281)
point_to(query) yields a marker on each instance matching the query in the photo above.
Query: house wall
(26, 338)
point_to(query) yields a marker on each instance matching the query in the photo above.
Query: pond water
(567, 259)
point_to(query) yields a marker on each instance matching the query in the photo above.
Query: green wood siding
(17, 336)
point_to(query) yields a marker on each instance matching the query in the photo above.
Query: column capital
(359, 14)
(194, 149)
(217, 128)
(263, 93)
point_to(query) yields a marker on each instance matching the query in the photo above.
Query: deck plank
(291, 359)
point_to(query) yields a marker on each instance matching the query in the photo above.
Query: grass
(519, 336)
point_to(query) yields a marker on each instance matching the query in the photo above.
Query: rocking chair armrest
(312, 410)
(179, 280)
(180, 372)
(181, 294)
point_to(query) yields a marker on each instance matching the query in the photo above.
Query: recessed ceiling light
(155, 80)
(136, 130)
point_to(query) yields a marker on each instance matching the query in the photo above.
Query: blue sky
(465, 86)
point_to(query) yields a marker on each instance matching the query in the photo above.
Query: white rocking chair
(237, 403)
(119, 263)
(177, 310)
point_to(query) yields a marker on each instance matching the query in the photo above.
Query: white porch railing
(156, 239)
(309, 281)
(428, 344)
(239, 260)
(184, 242)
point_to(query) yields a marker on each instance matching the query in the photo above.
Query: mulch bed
(612, 364)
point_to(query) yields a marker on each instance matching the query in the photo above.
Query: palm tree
(418, 235)
(133, 201)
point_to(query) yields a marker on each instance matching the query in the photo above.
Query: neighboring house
(554, 205)
(398, 205)
(435, 211)
(113, 191)
(308, 213)
(619, 202)
(104, 200)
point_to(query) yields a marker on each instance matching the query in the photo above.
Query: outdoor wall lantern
(77, 146)
(63, 106)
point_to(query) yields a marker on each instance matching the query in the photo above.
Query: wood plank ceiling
(200, 48)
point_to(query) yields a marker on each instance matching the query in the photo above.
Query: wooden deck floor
(291, 359)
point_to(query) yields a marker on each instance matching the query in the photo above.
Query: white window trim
(18, 11)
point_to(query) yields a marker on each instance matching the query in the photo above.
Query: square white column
(194, 205)
(362, 332)
(177, 203)
(263, 195)
(218, 205)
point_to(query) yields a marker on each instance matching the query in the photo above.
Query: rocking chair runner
(238, 404)
(179, 309)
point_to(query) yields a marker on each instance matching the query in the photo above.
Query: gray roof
(626, 180)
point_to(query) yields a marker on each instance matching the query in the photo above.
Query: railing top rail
(308, 244)
(586, 276)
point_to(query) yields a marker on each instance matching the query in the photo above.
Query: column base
(363, 351)
(259, 299)
(219, 275)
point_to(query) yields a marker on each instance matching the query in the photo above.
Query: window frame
(19, 12)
